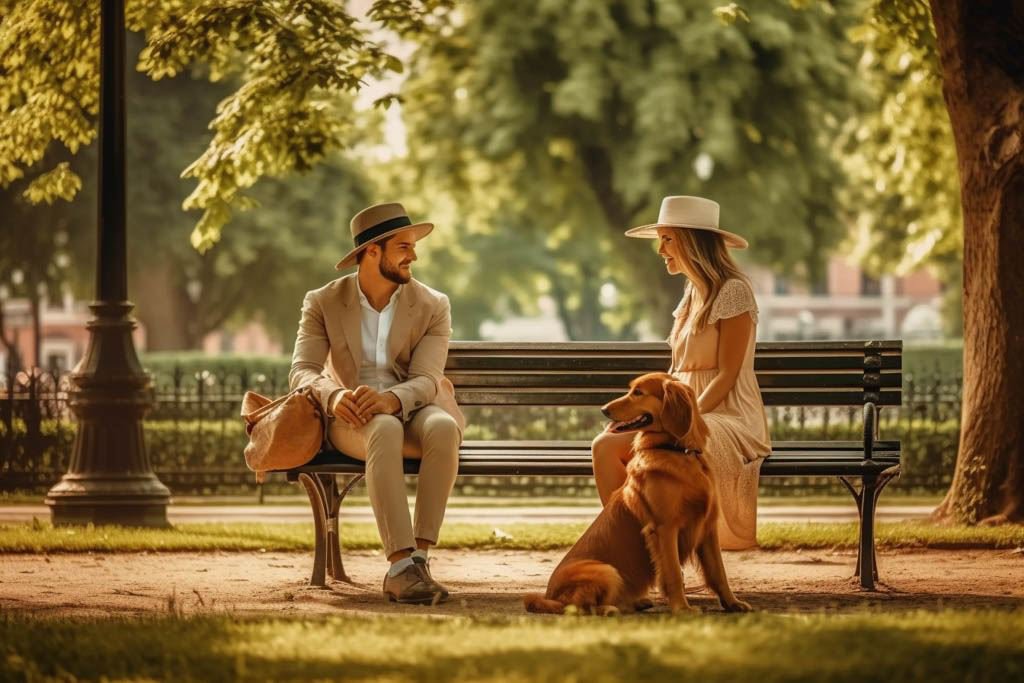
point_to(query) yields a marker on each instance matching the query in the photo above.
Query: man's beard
(391, 272)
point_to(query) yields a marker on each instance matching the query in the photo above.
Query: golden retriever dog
(664, 513)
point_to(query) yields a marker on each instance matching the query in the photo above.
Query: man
(373, 345)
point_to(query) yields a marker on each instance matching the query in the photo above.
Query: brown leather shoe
(426, 568)
(413, 586)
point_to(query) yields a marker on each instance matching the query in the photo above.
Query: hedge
(206, 456)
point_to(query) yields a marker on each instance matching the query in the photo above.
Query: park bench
(853, 374)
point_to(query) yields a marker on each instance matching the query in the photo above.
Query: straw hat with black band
(379, 222)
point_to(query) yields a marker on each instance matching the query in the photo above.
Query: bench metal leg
(315, 491)
(867, 502)
(325, 500)
(334, 498)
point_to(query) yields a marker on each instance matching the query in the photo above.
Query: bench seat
(572, 458)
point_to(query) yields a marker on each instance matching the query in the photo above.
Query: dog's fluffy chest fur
(665, 486)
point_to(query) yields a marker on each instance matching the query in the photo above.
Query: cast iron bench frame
(865, 374)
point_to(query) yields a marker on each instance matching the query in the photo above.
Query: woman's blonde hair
(706, 260)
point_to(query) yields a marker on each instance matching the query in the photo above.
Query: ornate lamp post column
(110, 480)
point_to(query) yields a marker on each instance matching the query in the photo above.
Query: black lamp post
(110, 480)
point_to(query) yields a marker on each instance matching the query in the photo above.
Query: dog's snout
(606, 412)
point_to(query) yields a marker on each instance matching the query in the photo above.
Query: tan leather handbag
(283, 433)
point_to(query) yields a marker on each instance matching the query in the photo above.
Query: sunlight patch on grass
(911, 534)
(40, 537)
(917, 646)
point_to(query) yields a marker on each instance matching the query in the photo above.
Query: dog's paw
(643, 604)
(738, 606)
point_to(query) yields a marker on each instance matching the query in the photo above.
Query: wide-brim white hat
(378, 222)
(695, 213)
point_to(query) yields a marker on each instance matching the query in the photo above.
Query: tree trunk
(12, 350)
(162, 308)
(661, 290)
(37, 325)
(981, 50)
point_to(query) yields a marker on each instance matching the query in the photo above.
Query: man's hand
(346, 408)
(370, 403)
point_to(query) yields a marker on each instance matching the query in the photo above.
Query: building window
(819, 286)
(870, 286)
(58, 354)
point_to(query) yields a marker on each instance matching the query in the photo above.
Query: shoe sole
(432, 600)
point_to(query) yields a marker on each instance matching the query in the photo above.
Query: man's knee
(442, 432)
(384, 435)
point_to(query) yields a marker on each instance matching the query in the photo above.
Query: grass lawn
(40, 537)
(932, 647)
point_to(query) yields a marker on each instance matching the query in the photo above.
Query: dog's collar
(673, 446)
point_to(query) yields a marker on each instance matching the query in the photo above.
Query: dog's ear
(680, 399)
(678, 405)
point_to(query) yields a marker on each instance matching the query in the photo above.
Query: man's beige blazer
(329, 345)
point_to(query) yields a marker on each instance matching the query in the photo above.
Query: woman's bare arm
(733, 336)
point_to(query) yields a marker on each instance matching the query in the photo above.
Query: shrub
(205, 456)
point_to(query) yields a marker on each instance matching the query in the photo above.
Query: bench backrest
(820, 373)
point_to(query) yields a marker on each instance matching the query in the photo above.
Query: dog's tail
(537, 603)
(591, 586)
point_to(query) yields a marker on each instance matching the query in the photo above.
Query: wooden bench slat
(582, 467)
(641, 363)
(777, 445)
(596, 397)
(618, 381)
(814, 346)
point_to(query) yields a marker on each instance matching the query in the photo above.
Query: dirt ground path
(483, 583)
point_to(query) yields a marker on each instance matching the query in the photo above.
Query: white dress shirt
(374, 370)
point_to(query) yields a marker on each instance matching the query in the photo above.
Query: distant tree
(904, 193)
(35, 261)
(259, 270)
(565, 123)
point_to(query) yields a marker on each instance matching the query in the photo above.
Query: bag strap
(319, 410)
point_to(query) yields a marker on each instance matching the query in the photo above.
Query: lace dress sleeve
(734, 298)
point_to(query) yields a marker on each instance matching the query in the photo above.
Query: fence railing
(195, 437)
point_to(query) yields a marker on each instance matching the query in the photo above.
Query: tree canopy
(904, 191)
(565, 123)
(294, 63)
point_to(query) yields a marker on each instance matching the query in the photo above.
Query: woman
(713, 351)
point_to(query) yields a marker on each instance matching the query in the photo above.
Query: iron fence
(195, 437)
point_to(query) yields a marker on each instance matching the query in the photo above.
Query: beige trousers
(433, 436)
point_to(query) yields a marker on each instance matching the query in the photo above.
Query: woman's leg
(610, 453)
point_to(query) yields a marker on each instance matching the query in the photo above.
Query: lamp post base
(95, 499)
(110, 480)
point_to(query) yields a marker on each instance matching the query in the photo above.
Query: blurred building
(848, 304)
(64, 335)
(62, 328)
